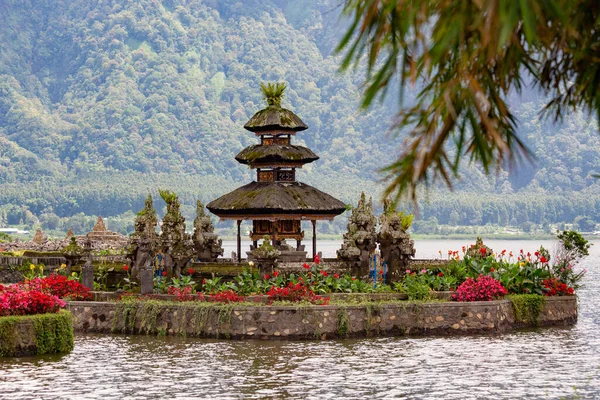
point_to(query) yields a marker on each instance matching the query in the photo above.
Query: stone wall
(36, 334)
(312, 322)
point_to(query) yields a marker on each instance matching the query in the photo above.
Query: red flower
(204, 281)
(306, 266)
(125, 268)
(492, 270)
(324, 273)
(537, 253)
(190, 271)
(441, 274)
(164, 273)
(336, 276)
(380, 272)
(317, 259)
(267, 276)
(275, 274)
(353, 278)
(482, 251)
(543, 260)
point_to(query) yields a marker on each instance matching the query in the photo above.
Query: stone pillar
(146, 281)
(314, 238)
(239, 241)
(87, 271)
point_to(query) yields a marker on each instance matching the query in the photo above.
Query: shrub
(484, 288)
(554, 287)
(16, 301)
(295, 292)
(60, 286)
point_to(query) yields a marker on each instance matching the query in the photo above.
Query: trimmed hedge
(36, 334)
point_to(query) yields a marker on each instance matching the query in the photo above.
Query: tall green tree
(466, 56)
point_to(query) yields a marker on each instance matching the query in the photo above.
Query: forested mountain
(104, 101)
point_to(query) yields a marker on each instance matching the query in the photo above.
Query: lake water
(551, 363)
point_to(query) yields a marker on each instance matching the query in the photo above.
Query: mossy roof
(276, 153)
(275, 118)
(276, 198)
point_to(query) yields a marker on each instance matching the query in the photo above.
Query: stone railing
(313, 322)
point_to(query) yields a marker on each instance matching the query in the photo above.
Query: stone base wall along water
(29, 335)
(312, 322)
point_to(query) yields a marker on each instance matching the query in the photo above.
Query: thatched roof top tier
(276, 153)
(293, 200)
(274, 118)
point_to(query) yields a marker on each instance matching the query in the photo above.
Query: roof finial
(273, 93)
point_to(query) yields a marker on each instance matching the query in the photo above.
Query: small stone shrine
(276, 203)
(361, 239)
(100, 234)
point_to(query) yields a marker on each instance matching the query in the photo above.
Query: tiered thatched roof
(259, 154)
(290, 199)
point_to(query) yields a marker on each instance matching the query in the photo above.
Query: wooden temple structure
(276, 202)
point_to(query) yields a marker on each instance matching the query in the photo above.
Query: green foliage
(273, 93)
(470, 56)
(528, 307)
(168, 196)
(135, 96)
(406, 220)
(52, 333)
(416, 287)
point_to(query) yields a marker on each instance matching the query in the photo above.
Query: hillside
(103, 102)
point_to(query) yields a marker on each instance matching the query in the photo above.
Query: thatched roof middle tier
(276, 154)
(276, 200)
(275, 118)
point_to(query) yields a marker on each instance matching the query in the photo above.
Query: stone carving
(207, 244)
(394, 243)
(39, 237)
(361, 239)
(174, 242)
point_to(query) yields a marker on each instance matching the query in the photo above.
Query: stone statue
(361, 239)
(395, 245)
(145, 232)
(207, 244)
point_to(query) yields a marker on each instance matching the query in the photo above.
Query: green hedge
(36, 334)
(32, 253)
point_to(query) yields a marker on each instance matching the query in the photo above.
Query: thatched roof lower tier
(275, 118)
(276, 153)
(276, 200)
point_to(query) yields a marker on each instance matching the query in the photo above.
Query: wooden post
(314, 223)
(239, 241)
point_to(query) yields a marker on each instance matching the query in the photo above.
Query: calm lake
(546, 363)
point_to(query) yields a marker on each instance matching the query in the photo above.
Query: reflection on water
(546, 363)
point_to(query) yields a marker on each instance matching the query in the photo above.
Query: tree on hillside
(465, 56)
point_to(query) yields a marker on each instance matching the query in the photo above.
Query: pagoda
(276, 203)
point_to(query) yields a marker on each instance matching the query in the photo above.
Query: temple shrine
(276, 202)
